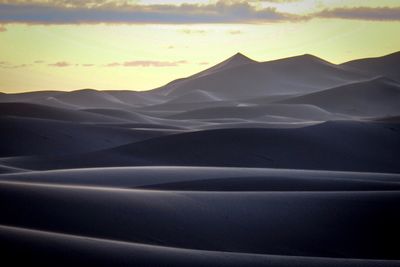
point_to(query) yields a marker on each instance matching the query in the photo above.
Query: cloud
(61, 64)
(234, 32)
(203, 63)
(114, 64)
(69, 3)
(130, 12)
(92, 12)
(188, 31)
(362, 13)
(20, 66)
(147, 63)
(8, 65)
(275, 1)
(134, 63)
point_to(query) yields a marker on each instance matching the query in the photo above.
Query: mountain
(239, 77)
(234, 61)
(388, 66)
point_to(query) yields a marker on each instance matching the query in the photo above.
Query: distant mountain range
(242, 80)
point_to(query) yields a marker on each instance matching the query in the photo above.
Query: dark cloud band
(59, 12)
(362, 13)
(220, 12)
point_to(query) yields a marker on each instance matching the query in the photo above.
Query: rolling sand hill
(377, 97)
(292, 162)
(29, 110)
(25, 136)
(379, 66)
(357, 146)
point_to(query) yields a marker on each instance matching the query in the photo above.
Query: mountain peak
(305, 59)
(240, 58)
(308, 57)
(238, 54)
(236, 60)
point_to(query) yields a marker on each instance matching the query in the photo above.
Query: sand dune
(235, 61)
(356, 146)
(7, 169)
(282, 223)
(307, 112)
(29, 110)
(24, 136)
(292, 162)
(388, 119)
(377, 97)
(137, 98)
(380, 66)
(293, 75)
(173, 107)
(50, 249)
(88, 98)
(28, 96)
(195, 97)
(120, 114)
(212, 179)
(85, 98)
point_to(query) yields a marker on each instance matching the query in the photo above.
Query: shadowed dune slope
(121, 114)
(212, 179)
(89, 98)
(25, 136)
(377, 97)
(30, 110)
(7, 169)
(341, 145)
(315, 224)
(300, 111)
(133, 98)
(85, 98)
(28, 96)
(55, 249)
(388, 66)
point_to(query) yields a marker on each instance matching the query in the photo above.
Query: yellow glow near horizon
(185, 48)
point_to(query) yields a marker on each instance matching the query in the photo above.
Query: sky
(140, 45)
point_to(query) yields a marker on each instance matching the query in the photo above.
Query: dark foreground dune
(344, 146)
(294, 162)
(49, 249)
(339, 224)
(181, 178)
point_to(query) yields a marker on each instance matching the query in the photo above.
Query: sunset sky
(139, 45)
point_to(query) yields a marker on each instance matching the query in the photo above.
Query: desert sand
(292, 162)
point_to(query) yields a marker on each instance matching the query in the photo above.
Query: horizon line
(236, 54)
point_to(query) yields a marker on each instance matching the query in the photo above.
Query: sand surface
(292, 162)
